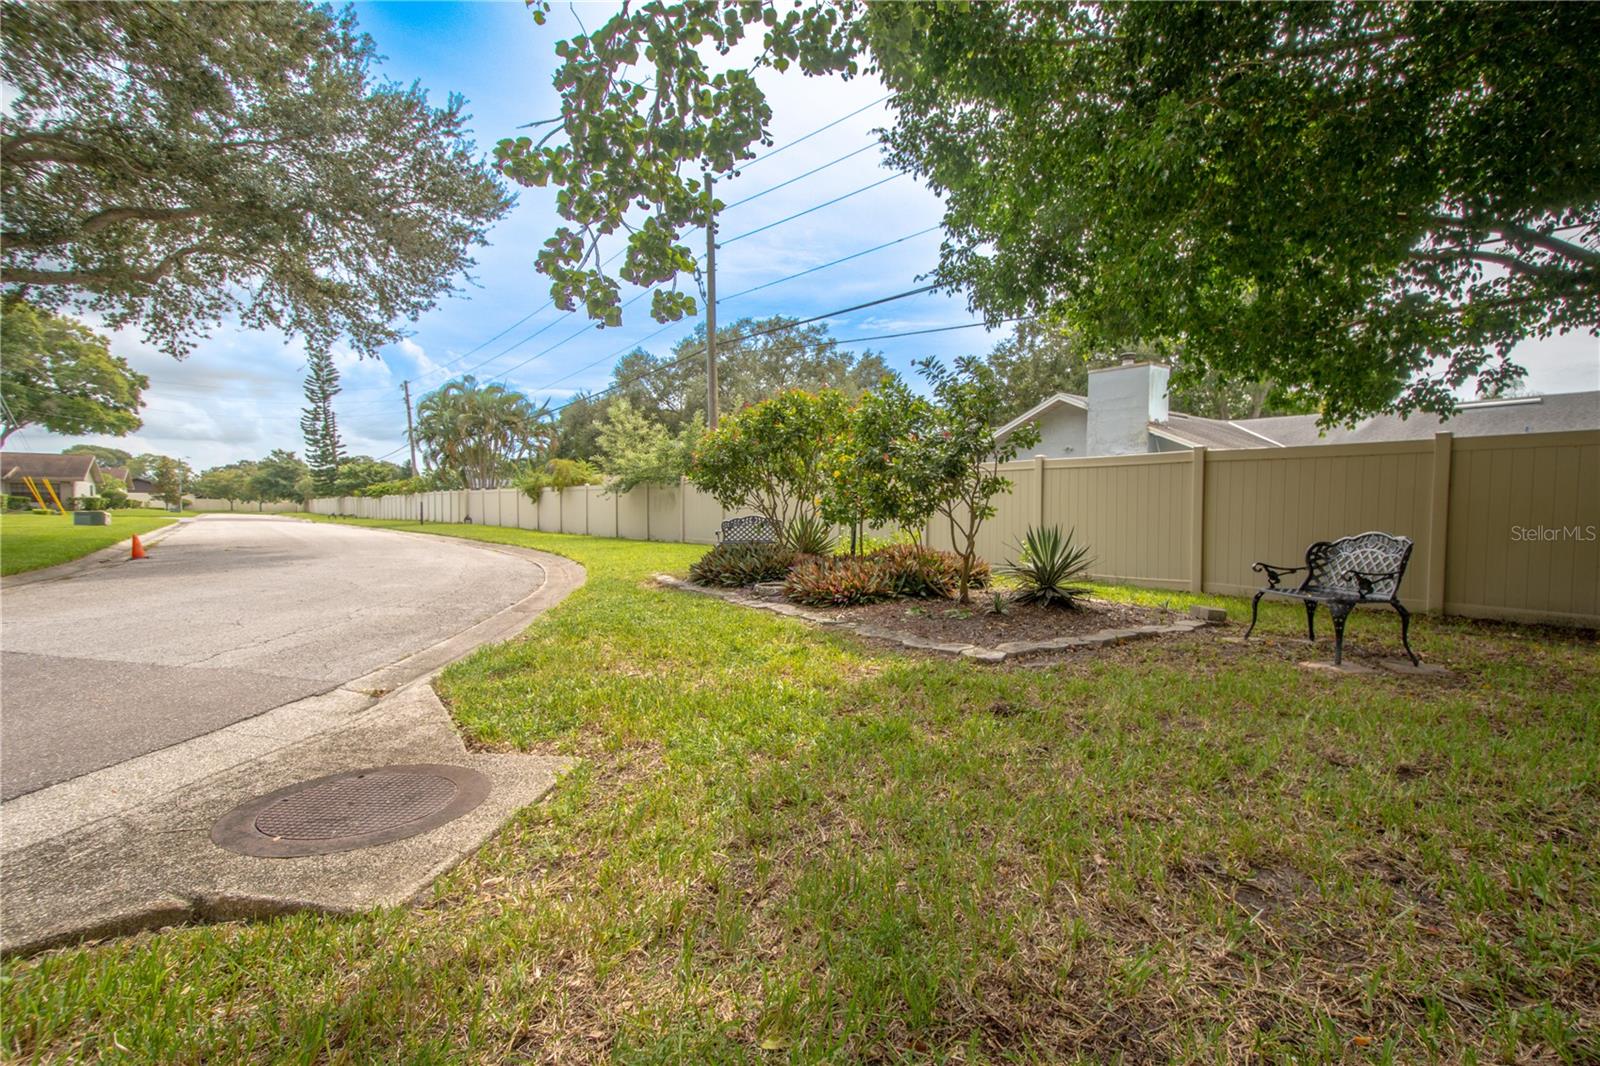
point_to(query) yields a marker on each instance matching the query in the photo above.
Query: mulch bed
(947, 622)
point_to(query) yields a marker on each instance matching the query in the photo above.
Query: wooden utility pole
(411, 439)
(411, 432)
(711, 307)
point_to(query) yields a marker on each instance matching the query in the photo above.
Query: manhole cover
(355, 809)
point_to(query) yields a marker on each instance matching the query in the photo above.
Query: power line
(830, 263)
(809, 210)
(688, 356)
(813, 133)
(768, 155)
(801, 177)
(786, 324)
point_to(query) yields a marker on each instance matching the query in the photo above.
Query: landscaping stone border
(999, 653)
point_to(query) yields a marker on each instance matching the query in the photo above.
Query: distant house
(139, 489)
(1126, 413)
(71, 476)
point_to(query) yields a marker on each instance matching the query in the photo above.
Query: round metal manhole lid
(355, 809)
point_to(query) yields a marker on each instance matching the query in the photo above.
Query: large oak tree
(1368, 202)
(168, 165)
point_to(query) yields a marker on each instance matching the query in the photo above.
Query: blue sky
(238, 395)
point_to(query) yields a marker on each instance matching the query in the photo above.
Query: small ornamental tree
(866, 477)
(770, 457)
(922, 460)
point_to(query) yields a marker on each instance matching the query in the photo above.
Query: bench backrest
(749, 529)
(1329, 563)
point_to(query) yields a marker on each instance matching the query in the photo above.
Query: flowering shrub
(839, 581)
(768, 458)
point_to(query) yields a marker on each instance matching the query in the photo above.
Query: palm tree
(482, 433)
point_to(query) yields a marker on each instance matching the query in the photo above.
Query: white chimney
(1123, 401)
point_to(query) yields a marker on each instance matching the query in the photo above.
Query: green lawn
(785, 845)
(30, 541)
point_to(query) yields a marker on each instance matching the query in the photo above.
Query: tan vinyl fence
(1505, 527)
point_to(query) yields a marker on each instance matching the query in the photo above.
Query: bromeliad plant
(736, 565)
(1045, 567)
(839, 581)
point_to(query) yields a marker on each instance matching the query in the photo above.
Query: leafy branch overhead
(1367, 205)
(171, 165)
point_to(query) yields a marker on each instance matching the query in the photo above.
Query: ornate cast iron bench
(748, 529)
(1342, 574)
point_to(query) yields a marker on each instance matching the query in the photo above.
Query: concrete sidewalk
(129, 846)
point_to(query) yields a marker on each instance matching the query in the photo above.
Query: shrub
(928, 573)
(839, 581)
(732, 565)
(810, 535)
(91, 503)
(1046, 565)
(770, 457)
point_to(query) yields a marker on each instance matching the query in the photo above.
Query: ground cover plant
(783, 844)
(32, 541)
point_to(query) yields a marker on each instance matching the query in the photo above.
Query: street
(230, 617)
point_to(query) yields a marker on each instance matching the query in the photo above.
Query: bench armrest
(1366, 581)
(1274, 573)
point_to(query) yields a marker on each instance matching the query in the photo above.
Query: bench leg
(1311, 625)
(1340, 612)
(1405, 630)
(1255, 605)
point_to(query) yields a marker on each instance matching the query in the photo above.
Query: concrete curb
(108, 556)
(999, 653)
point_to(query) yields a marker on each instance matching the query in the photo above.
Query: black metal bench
(1343, 574)
(748, 529)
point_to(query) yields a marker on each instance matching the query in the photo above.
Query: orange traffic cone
(138, 548)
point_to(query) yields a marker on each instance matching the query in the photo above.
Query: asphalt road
(231, 616)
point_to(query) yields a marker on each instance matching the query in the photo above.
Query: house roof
(1481, 418)
(43, 464)
(1196, 432)
(1060, 399)
(118, 472)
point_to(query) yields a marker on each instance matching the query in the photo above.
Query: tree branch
(1555, 245)
(99, 279)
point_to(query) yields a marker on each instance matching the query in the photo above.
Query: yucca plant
(1046, 565)
(810, 535)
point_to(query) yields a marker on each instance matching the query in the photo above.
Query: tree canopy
(482, 434)
(358, 472)
(756, 358)
(279, 476)
(60, 374)
(1367, 202)
(103, 455)
(169, 165)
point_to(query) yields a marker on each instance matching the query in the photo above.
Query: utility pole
(711, 306)
(411, 439)
(411, 432)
